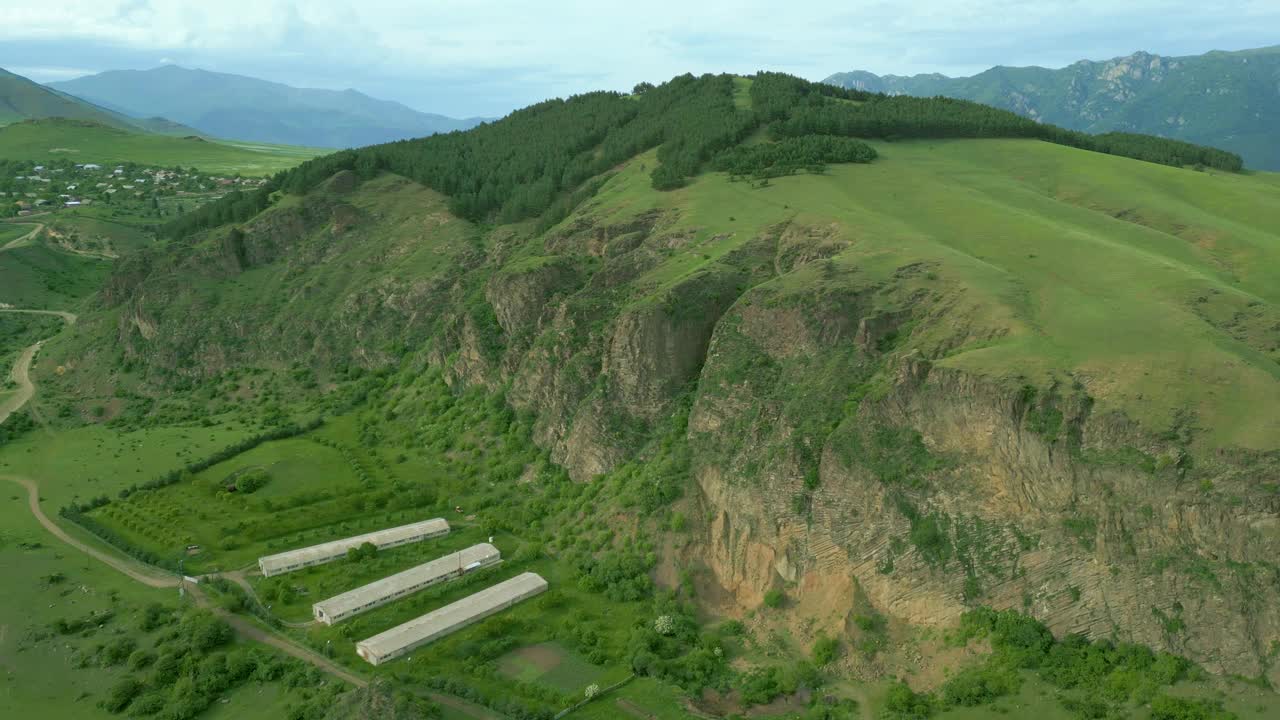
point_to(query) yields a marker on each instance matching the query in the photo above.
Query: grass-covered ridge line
(526, 164)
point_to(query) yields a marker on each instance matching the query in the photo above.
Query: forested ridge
(529, 164)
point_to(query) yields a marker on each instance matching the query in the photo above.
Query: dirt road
(153, 577)
(21, 372)
(23, 240)
(142, 573)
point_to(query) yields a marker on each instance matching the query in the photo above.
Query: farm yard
(292, 595)
(327, 484)
(602, 620)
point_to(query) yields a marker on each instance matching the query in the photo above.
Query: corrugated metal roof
(438, 623)
(324, 552)
(368, 596)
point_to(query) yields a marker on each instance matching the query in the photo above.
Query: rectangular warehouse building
(328, 552)
(405, 638)
(394, 587)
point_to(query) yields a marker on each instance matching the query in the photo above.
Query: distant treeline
(536, 162)
(811, 152)
(901, 116)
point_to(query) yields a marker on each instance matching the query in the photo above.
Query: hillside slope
(21, 99)
(965, 371)
(244, 108)
(1225, 99)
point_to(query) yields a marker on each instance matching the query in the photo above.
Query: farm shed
(327, 552)
(394, 587)
(405, 638)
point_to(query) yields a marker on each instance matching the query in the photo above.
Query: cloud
(488, 56)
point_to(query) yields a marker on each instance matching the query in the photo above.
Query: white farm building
(328, 552)
(394, 587)
(436, 624)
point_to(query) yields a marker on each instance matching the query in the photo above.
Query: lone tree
(365, 551)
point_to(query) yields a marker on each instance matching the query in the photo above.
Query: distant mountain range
(23, 99)
(245, 108)
(1229, 100)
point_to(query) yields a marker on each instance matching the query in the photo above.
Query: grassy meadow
(89, 143)
(36, 276)
(10, 232)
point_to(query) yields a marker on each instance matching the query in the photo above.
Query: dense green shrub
(121, 694)
(979, 686)
(825, 650)
(902, 703)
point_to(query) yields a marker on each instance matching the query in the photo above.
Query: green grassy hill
(22, 99)
(37, 276)
(88, 142)
(810, 360)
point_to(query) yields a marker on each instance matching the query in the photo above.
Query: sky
(468, 58)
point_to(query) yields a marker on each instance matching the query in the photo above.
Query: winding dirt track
(29, 236)
(152, 577)
(137, 571)
(21, 372)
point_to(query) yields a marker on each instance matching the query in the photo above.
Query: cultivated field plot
(309, 493)
(551, 664)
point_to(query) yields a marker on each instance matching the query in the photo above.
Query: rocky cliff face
(825, 452)
(1084, 521)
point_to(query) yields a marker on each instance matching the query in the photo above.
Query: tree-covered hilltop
(529, 164)
(1224, 99)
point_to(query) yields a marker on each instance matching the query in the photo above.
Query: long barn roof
(335, 548)
(339, 605)
(451, 617)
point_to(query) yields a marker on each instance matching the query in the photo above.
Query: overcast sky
(486, 57)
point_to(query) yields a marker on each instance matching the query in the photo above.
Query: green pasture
(77, 465)
(90, 143)
(12, 231)
(552, 664)
(36, 276)
(38, 667)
